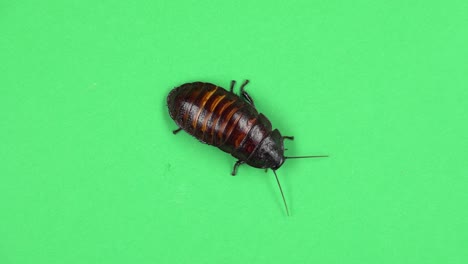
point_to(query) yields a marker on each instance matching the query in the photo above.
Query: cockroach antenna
(306, 157)
(282, 194)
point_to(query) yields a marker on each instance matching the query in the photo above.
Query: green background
(91, 173)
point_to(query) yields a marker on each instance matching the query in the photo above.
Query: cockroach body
(230, 122)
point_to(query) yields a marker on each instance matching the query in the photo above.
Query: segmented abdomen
(218, 117)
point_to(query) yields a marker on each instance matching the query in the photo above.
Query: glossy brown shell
(218, 117)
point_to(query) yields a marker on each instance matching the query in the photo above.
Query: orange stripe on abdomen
(211, 110)
(222, 128)
(219, 114)
(231, 127)
(204, 99)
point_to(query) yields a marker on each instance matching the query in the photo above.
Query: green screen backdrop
(91, 173)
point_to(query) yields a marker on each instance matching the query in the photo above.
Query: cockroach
(230, 122)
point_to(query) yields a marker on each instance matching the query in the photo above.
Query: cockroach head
(271, 151)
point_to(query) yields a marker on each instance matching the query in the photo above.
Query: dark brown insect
(230, 122)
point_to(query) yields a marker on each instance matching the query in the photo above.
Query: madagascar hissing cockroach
(230, 122)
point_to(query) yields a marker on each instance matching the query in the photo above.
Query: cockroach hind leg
(288, 137)
(176, 131)
(247, 98)
(234, 170)
(233, 83)
(245, 95)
